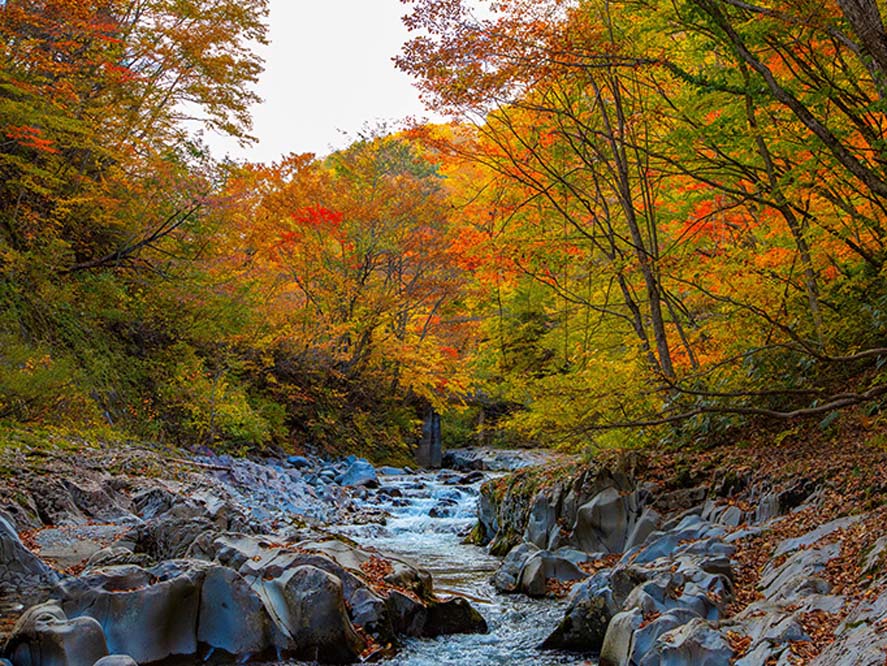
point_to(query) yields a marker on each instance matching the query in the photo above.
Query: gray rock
(73, 546)
(646, 524)
(360, 473)
(116, 660)
(45, 636)
(859, 639)
(812, 537)
(149, 614)
(874, 559)
(780, 582)
(542, 567)
(408, 615)
(392, 471)
(453, 616)
(693, 644)
(308, 607)
(616, 648)
(687, 536)
(643, 643)
(115, 555)
(542, 522)
(370, 611)
(731, 517)
(590, 608)
(232, 616)
(602, 524)
(507, 576)
(23, 575)
(298, 462)
(771, 629)
(577, 556)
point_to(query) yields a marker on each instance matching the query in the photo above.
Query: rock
(149, 614)
(307, 605)
(577, 556)
(73, 546)
(408, 615)
(859, 639)
(443, 509)
(116, 660)
(731, 517)
(617, 643)
(602, 525)
(54, 504)
(645, 637)
(170, 534)
(507, 576)
(542, 567)
(814, 536)
(97, 500)
(542, 526)
(454, 616)
(771, 630)
(392, 471)
(23, 575)
(646, 524)
(232, 616)
(874, 559)
(693, 644)
(471, 477)
(370, 611)
(687, 534)
(408, 577)
(298, 462)
(359, 473)
(779, 582)
(585, 622)
(115, 555)
(45, 636)
(463, 460)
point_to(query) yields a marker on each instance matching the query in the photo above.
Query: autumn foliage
(669, 217)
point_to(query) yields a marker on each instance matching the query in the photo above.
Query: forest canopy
(647, 221)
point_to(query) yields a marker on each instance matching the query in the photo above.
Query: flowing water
(517, 624)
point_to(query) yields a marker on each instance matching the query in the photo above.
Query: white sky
(328, 70)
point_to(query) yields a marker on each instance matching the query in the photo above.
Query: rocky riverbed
(122, 556)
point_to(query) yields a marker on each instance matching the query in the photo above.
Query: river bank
(230, 559)
(728, 556)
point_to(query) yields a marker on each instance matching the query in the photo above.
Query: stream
(428, 520)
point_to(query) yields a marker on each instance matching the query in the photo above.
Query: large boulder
(603, 524)
(23, 575)
(695, 643)
(507, 576)
(542, 526)
(544, 566)
(148, 614)
(590, 607)
(453, 616)
(616, 649)
(232, 616)
(44, 636)
(308, 608)
(408, 614)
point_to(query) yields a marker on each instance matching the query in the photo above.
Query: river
(517, 623)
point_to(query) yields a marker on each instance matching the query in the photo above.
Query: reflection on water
(517, 624)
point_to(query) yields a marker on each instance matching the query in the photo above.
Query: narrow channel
(429, 515)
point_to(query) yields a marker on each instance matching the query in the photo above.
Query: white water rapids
(517, 624)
